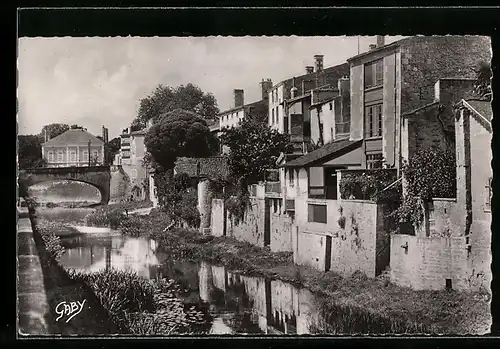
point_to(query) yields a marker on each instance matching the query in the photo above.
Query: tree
(110, 150)
(30, 152)
(53, 130)
(179, 133)
(165, 99)
(75, 127)
(254, 149)
(482, 86)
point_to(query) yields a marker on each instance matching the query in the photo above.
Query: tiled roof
(327, 151)
(481, 107)
(209, 167)
(74, 136)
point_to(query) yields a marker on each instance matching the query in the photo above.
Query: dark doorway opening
(267, 222)
(328, 253)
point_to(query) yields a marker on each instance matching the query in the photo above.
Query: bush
(105, 216)
(368, 185)
(52, 244)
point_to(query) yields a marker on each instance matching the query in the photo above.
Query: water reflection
(89, 253)
(63, 214)
(237, 304)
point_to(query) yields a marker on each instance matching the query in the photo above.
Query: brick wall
(251, 228)
(281, 232)
(424, 60)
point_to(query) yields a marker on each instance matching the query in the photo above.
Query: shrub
(369, 184)
(52, 243)
(105, 216)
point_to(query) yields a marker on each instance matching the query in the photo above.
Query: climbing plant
(370, 185)
(429, 173)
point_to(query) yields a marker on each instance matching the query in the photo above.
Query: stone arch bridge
(97, 176)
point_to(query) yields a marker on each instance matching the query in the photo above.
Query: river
(237, 304)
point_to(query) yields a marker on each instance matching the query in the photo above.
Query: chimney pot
(309, 69)
(380, 40)
(318, 62)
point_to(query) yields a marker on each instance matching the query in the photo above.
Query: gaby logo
(70, 309)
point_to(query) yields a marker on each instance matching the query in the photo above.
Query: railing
(273, 187)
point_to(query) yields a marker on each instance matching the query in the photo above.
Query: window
(60, 156)
(374, 161)
(374, 74)
(95, 155)
(272, 119)
(50, 156)
(272, 96)
(86, 155)
(331, 106)
(72, 156)
(317, 213)
(489, 195)
(276, 114)
(291, 177)
(316, 182)
(373, 121)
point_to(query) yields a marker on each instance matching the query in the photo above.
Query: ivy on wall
(370, 185)
(429, 173)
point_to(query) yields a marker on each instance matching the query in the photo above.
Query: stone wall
(205, 196)
(281, 232)
(119, 184)
(251, 228)
(426, 59)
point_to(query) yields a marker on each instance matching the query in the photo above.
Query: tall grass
(140, 306)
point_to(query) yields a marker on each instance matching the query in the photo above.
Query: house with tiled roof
(75, 147)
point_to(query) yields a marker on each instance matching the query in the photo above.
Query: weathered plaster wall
(251, 228)
(119, 184)
(217, 217)
(281, 232)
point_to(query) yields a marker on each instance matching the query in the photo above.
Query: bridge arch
(97, 176)
(90, 191)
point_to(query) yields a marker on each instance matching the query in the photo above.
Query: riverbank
(376, 302)
(59, 287)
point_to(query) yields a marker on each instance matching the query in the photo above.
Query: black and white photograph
(254, 185)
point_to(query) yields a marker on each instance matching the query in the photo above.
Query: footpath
(32, 305)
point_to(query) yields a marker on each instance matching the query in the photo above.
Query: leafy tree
(53, 130)
(254, 149)
(179, 133)
(30, 152)
(165, 99)
(483, 80)
(75, 127)
(110, 149)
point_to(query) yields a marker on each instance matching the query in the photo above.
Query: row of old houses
(374, 111)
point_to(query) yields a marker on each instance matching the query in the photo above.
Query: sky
(100, 81)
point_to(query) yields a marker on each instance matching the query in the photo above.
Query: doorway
(331, 182)
(328, 254)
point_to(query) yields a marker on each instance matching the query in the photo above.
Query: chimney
(104, 134)
(309, 69)
(380, 40)
(318, 62)
(372, 47)
(266, 86)
(238, 98)
(294, 89)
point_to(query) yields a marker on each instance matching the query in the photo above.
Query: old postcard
(334, 185)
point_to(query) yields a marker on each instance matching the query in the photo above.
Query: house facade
(391, 80)
(453, 247)
(75, 147)
(132, 151)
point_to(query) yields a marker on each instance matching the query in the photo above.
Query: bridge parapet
(64, 170)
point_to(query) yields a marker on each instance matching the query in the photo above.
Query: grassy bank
(355, 303)
(59, 287)
(117, 302)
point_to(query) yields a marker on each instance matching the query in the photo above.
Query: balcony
(273, 187)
